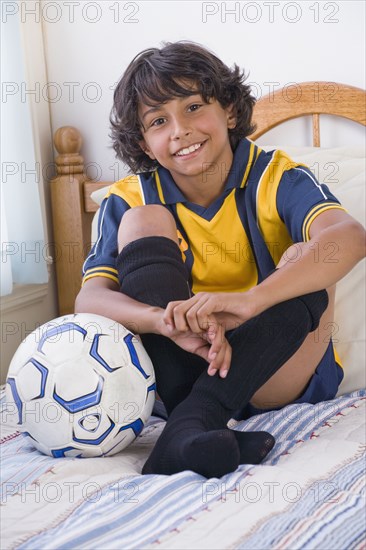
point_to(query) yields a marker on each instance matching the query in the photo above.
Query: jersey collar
(245, 156)
(169, 192)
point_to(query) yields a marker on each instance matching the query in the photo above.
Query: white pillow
(343, 170)
(97, 196)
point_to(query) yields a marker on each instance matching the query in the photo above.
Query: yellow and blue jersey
(268, 203)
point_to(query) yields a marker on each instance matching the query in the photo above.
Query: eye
(158, 121)
(194, 107)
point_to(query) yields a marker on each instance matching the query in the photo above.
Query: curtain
(23, 250)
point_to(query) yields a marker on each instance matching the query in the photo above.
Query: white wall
(277, 42)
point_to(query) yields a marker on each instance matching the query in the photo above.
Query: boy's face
(188, 137)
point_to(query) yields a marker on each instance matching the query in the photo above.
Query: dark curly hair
(157, 76)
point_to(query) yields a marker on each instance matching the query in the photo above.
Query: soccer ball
(81, 385)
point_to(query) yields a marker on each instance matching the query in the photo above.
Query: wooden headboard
(73, 209)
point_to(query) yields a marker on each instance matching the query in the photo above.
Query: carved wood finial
(68, 142)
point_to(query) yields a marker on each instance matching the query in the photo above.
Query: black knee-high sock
(260, 347)
(151, 270)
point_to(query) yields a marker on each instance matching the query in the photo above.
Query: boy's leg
(151, 270)
(288, 384)
(176, 370)
(323, 386)
(194, 432)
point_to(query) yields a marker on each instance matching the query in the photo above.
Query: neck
(203, 196)
(204, 188)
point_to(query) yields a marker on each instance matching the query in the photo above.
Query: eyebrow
(152, 110)
(160, 105)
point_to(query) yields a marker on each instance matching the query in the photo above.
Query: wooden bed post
(71, 224)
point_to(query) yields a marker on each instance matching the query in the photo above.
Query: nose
(180, 128)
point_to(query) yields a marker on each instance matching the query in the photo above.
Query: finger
(168, 316)
(215, 364)
(224, 369)
(179, 316)
(206, 308)
(217, 358)
(192, 320)
(176, 315)
(215, 334)
(222, 362)
(185, 314)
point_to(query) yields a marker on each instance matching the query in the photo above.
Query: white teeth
(188, 150)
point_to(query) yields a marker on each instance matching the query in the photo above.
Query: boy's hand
(210, 344)
(228, 310)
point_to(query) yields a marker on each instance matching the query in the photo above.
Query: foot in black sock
(211, 454)
(254, 446)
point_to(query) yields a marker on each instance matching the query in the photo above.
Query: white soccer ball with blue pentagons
(81, 385)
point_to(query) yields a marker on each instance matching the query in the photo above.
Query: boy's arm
(336, 245)
(101, 295)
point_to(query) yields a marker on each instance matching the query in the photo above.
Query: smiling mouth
(188, 150)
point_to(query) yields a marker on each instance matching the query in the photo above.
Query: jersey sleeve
(101, 261)
(300, 199)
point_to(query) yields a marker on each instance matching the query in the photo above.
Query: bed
(308, 493)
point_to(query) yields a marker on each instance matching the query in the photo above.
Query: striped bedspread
(309, 493)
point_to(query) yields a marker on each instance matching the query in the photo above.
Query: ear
(231, 118)
(146, 149)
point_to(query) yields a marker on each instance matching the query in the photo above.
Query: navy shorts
(322, 386)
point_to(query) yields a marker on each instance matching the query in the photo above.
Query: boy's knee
(146, 221)
(151, 271)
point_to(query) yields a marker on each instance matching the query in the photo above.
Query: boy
(186, 257)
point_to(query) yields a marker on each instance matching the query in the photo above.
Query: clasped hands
(199, 324)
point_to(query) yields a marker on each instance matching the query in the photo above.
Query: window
(23, 251)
